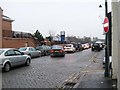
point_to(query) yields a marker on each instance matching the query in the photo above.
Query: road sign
(106, 25)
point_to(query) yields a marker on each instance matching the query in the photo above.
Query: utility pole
(107, 68)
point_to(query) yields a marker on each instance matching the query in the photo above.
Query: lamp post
(107, 68)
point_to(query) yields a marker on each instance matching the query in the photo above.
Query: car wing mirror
(22, 53)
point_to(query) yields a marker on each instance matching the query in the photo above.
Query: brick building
(13, 39)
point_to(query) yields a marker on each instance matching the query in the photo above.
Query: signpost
(106, 29)
(106, 25)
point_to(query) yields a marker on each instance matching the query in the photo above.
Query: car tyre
(39, 55)
(27, 62)
(29, 55)
(92, 49)
(7, 67)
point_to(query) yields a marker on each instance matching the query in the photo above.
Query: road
(47, 72)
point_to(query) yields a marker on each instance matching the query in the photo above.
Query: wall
(7, 25)
(115, 39)
(1, 13)
(119, 46)
(17, 42)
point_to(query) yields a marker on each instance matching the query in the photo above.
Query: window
(9, 53)
(17, 52)
(23, 49)
(1, 51)
(32, 49)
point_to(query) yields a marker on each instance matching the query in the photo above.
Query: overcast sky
(75, 17)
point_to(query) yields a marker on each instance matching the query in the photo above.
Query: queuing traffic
(11, 57)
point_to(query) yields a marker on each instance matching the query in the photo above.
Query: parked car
(86, 46)
(78, 47)
(10, 57)
(95, 46)
(69, 48)
(57, 50)
(31, 51)
(45, 50)
(101, 44)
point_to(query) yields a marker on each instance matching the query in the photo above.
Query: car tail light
(52, 51)
(61, 50)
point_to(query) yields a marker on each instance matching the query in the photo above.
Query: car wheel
(29, 55)
(63, 55)
(27, 62)
(39, 55)
(7, 67)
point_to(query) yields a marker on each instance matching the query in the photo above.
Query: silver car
(10, 57)
(31, 51)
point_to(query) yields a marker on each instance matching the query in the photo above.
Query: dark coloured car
(57, 50)
(45, 50)
(78, 46)
(96, 47)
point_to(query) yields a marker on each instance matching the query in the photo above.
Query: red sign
(106, 25)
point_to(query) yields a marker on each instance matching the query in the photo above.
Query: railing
(16, 34)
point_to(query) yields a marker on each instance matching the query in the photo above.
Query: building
(13, 39)
(116, 41)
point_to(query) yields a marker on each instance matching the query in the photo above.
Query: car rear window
(1, 51)
(68, 45)
(56, 47)
(22, 49)
(96, 44)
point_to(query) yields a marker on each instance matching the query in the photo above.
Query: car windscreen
(68, 45)
(1, 51)
(96, 44)
(39, 47)
(22, 49)
(56, 47)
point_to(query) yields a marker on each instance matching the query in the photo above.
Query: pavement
(93, 78)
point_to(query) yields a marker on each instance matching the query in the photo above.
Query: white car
(69, 48)
(86, 45)
(10, 57)
(31, 51)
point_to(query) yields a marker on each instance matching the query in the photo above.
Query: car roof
(5, 49)
(26, 47)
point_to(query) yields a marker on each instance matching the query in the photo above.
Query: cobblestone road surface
(47, 72)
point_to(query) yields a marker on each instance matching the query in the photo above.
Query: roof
(6, 49)
(7, 18)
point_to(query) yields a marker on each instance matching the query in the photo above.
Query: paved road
(47, 72)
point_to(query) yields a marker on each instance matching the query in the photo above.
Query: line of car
(10, 57)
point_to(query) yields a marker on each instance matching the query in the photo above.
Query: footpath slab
(94, 76)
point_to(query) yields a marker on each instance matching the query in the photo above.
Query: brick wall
(17, 42)
(1, 13)
(7, 25)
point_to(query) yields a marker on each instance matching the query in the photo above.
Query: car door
(10, 55)
(21, 58)
(35, 52)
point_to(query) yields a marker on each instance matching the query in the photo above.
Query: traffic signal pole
(107, 68)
